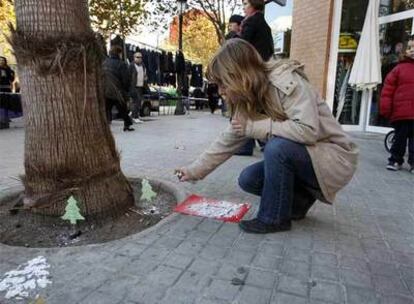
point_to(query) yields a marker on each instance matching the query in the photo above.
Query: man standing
(234, 27)
(116, 86)
(138, 81)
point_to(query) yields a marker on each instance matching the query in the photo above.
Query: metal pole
(121, 18)
(180, 32)
(179, 109)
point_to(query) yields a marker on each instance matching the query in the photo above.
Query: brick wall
(311, 30)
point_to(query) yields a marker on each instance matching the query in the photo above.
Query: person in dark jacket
(397, 104)
(6, 76)
(213, 96)
(6, 85)
(255, 29)
(138, 74)
(234, 27)
(257, 32)
(117, 83)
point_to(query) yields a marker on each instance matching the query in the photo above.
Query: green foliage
(216, 11)
(7, 16)
(116, 16)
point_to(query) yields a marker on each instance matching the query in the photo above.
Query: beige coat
(310, 122)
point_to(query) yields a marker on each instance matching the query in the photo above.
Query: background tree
(199, 37)
(116, 16)
(69, 148)
(216, 11)
(6, 17)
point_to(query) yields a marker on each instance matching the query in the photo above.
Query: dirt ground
(21, 228)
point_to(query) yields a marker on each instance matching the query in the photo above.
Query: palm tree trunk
(69, 149)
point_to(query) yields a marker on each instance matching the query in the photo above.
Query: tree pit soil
(20, 227)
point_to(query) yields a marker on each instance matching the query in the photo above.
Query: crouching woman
(307, 156)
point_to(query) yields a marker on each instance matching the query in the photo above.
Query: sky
(278, 17)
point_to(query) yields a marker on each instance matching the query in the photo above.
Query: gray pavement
(361, 250)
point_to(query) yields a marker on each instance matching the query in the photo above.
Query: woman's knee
(280, 148)
(248, 182)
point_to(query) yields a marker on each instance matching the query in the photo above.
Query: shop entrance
(358, 111)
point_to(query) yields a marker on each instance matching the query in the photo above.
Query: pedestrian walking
(117, 84)
(307, 157)
(397, 105)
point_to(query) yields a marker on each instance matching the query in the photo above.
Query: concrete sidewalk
(361, 250)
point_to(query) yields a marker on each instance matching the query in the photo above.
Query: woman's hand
(239, 125)
(182, 174)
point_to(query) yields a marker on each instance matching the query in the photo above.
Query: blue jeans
(281, 180)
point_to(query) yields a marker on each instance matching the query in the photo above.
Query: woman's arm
(219, 151)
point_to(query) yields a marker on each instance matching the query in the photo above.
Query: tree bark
(69, 148)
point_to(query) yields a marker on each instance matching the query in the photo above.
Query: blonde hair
(238, 67)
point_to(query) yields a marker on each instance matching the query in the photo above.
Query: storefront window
(393, 39)
(347, 101)
(388, 7)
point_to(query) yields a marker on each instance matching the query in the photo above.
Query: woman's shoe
(257, 226)
(128, 129)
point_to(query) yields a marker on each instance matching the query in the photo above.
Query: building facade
(325, 37)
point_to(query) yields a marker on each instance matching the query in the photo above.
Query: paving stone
(178, 260)
(260, 278)
(200, 236)
(164, 275)
(230, 271)
(144, 293)
(189, 248)
(239, 257)
(222, 290)
(325, 272)
(193, 281)
(179, 296)
(390, 285)
(271, 249)
(293, 285)
(355, 278)
(210, 226)
(358, 295)
(131, 250)
(396, 300)
(324, 246)
(297, 254)
(204, 266)
(324, 259)
(293, 268)
(168, 242)
(155, 253)
(212, 252)
(328, 292)
(356, 264)
(383, 269)
(140, 267)
(283, 298)
(265, 262)
(251, 294)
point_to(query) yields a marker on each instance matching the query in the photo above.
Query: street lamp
(179, 110)
(182, 4)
